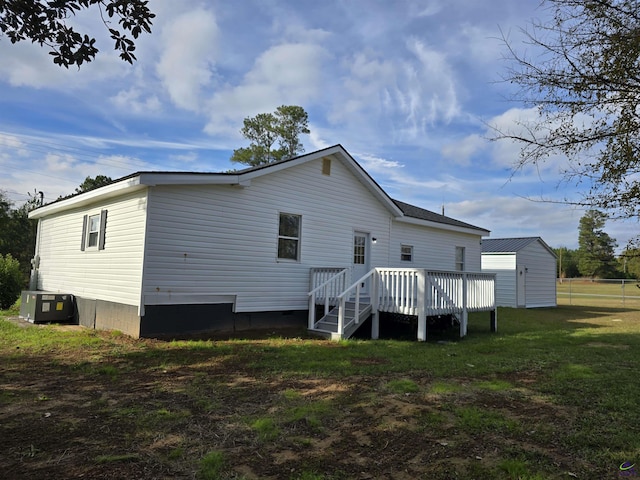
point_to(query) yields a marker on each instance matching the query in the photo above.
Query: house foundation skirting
(104, 315)
(161, 320)
(165, 320)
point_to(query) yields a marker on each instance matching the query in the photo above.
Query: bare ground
(140, 409)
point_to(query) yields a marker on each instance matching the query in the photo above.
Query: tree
(93, 183)
(45, 22)
(629, 263)
(583, 76)
(567, 262)
(11, 281)
(283, 127)
(18, 232)
(596, 247)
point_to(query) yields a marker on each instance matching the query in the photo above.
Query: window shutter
(85, 220)
(103, 227)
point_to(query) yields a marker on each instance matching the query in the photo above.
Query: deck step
(327, 326)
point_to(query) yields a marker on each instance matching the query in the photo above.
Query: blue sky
(407, 87)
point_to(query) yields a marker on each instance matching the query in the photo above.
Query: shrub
(11, 281)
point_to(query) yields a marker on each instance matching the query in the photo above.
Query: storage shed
(525, 271)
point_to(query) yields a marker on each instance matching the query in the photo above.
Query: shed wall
(504, 266)
(541, 275)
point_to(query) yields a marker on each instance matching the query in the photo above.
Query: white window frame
(93, 235)
(406, 251)
(460, 259)
(282, 237)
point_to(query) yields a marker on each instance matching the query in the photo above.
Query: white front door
(521, 286)
(360, 257)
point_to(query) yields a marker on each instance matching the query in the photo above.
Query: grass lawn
(553, 395)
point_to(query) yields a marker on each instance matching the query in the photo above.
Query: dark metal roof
(509, 245)
(422, 214)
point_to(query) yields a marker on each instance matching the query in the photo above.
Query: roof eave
(109, 191)
(444, 226)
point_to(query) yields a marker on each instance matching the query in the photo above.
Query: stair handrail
(343, 300)
(341, 276)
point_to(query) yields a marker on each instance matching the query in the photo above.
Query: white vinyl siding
(432, 248)
(219, 241)
(541, 275)
(113, 274)
(504, 266)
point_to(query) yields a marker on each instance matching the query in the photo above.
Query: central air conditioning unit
(46, 307)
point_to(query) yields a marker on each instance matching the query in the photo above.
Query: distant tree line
(595, 256)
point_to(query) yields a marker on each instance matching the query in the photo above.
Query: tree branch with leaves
(45, 23)
(582, 74)
(266, 130)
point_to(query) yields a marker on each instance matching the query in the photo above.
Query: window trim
(461, 264)
(101, 231)
(93, 236)
(298, 239)
(403, 254)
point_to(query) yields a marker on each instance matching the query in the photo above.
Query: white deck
(416, 292)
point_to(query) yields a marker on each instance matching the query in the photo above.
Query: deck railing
(417, 292)
(327, 284)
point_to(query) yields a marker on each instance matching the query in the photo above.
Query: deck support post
(375, 299)
(465, 312)
(494, 320)
(312, 311)
(422, 312)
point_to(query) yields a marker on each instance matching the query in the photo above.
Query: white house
(525, 271)
(170, 252)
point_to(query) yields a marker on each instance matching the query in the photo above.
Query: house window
(93, 231)
(289, 237)
(406, 253)
(460, 259)
(359, 249)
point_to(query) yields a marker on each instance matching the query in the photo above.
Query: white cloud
(134, 101)
(508, 216)
(284, 74)
(435, 81)
(186, 64)
(462, 151)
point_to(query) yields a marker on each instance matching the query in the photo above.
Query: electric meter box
(45, 307)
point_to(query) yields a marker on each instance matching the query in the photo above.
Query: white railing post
(356, 318)
(422, 314)
(375, 315)
(465, 313)
(341, 310)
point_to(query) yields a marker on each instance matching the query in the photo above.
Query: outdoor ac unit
(43, 307)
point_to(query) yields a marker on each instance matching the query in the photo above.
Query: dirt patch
(128, 410)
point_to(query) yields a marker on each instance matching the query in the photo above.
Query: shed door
(360, 256)
(521, 284)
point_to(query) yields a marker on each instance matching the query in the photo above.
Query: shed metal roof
(510, 245)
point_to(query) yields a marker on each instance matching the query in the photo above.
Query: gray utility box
(43, 307)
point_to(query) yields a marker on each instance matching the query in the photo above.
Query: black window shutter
(103, 227)
(85, 219)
